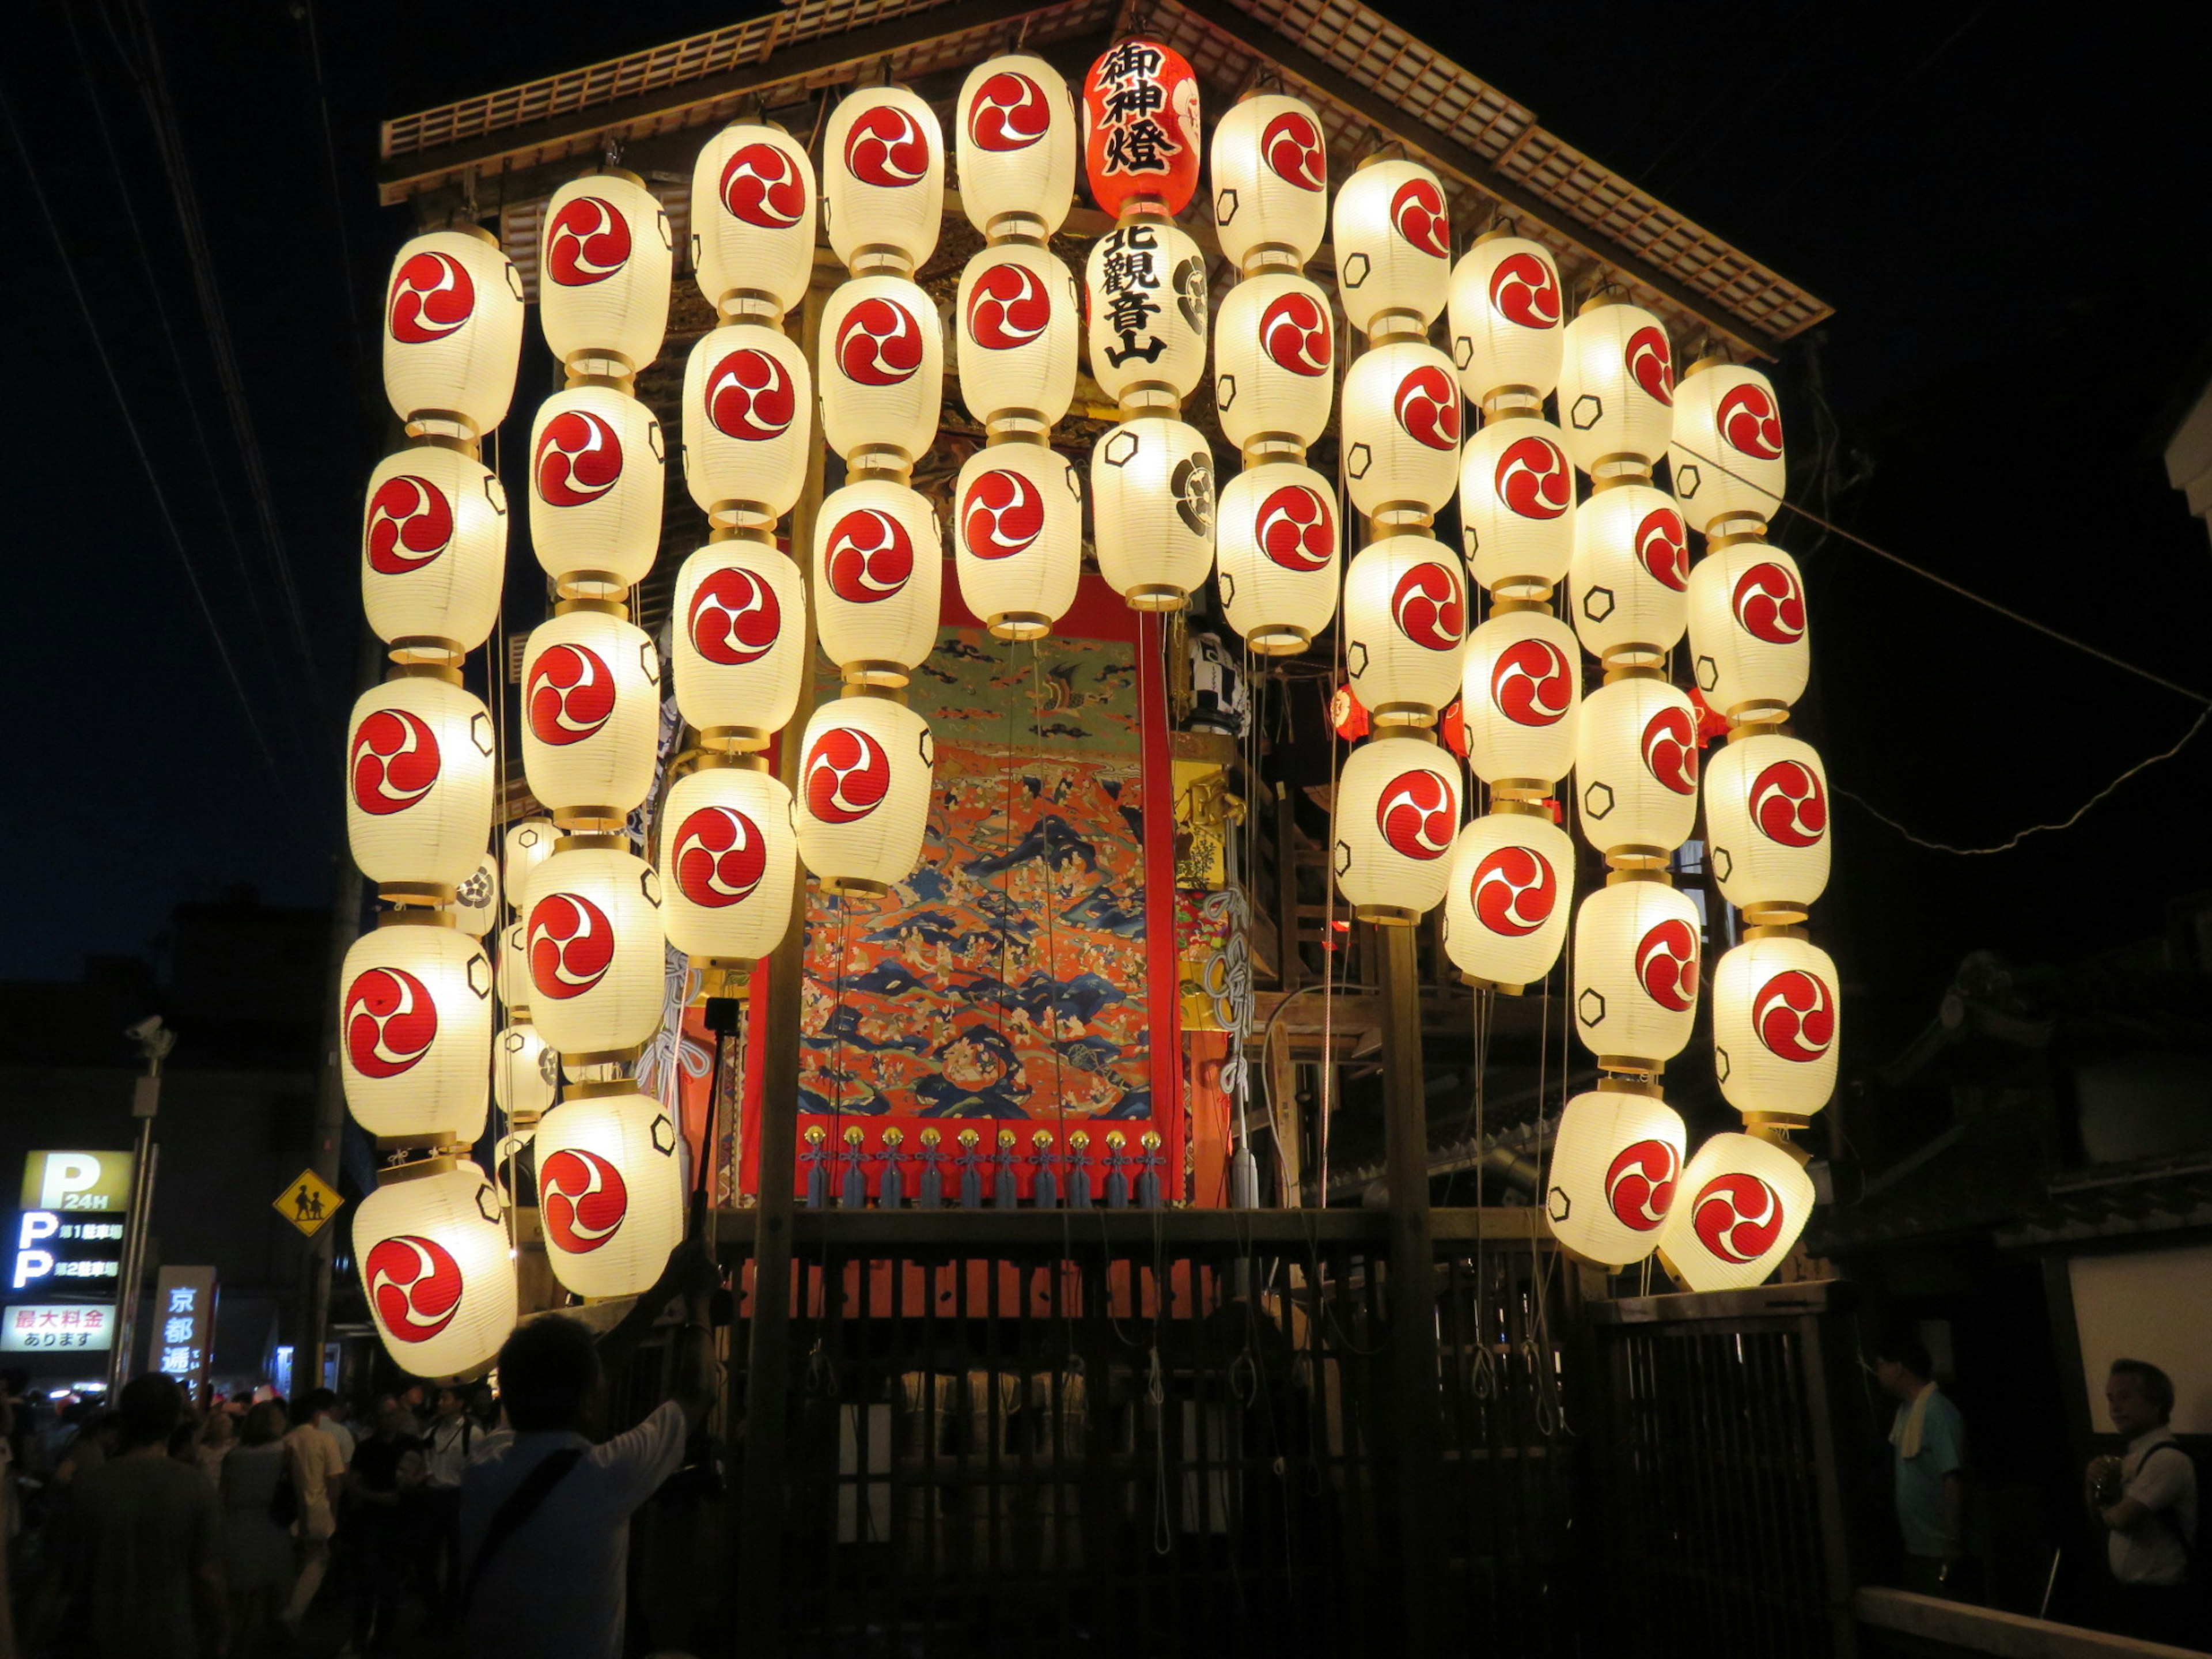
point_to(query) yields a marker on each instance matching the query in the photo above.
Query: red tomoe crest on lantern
(411, 523)
(1795, 1015)
(1651, 363)
(1788, 804)
(1530, 683)
(1294, 528)
(1140, 125)
(870, 557)
(1429, 607)
(1008, 308)
(1427, 405)
(1295, 334)
(431, 296)
(570, 694)
(570, 943)
(749, 396)
(878, 344)
(415, 1283)
(579, 458)
(735, 618)
(1749, 422)
(1737, 1218)
(1514, 891)
(1010, 113)
(1292, 149)
(760, 184)
(721, 856)
(846, 775)
(1416, 814)
(582, 1199)
(1639, 1187)
(1533, 478)
(391, 1022)
(1666, 964)
(1670, 749)
(587, 242)
(1002, 514)
(1663, 549)
(887, 148)
(1417, 211)
(1523, 290)
(1768, 604)
(394, 763)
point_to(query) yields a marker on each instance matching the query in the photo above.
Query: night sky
(2006, 221)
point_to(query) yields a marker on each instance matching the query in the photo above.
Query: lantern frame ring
(424, 893)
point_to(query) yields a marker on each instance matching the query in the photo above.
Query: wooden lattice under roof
(1367, 76)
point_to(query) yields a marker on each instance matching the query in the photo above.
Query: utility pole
(154, 1041)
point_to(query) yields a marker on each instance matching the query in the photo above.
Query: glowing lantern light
(740, 607)
(1517, 507)
(435, 1267)
(1748, 631)
(1401, 431)
(882, 180)
(879, 572)
(1275, 556)
(753, 221)
(1015, 348)
(1766, 818)
(748, 423)
(1616, 388)
(414, 1028)
(595, 490)
(1017, 537)
(1630, 574)
(602, 274)
(1405, 619)
(1520, 697)
(1397, 812)
(590, 711)
(882, 372)
(1636, 769)
(1775, 1012)
(610, 1189)
(1140, 127)
(433, 553)
(1015, 143)
(1509, 896)
(1146, 292)
(524, 1073)
(1506, 314)
(1616, 1174)
(527, 844)
(1725, 456)
(1635, 971)
(864, 792)
(1270, 182)
(418, 784)
(1275, 357)
(512, 980)
(452, 333)
(1392, 231)
(476, 909)
(1738, 1210)
(593, 940)
(1152, 510)
(729, 858)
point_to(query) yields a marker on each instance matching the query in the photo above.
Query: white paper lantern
(414, 1029)
(435, 1269)
(1017, 537)
(1397, 813)
(1274, 362)
(594, 942)
(527, 844)
(1725, 456)
(1405, 619)
(452, 333)
(1766, 820)
(1507, 898)
(512, 980)
(1517, 507)
(1748, 646)
(610, 1189)
(882, 180)
(1616, 388)
(864, 792)
(1520, 696)
(1393, 236)
(1275, 557)
(729, 856)
(1401, 431)
(748, 423)
(1775, 1016)
(418, 785)
(526, 1074)
(1506, 322)
(591, 715)
(878, 576)
(753, 221)
(739, 654)
(596, 457)
(476, 909)
(1152, 510)
(1019, 321)
(1636, 769)
(882, 372)
(604, 264)
(1630, 574)
(1270, 182)
(1739, 1210)
(1616, 1173)
(433, 552)
(1015, 141)
(1144, 297)
(1635, 972)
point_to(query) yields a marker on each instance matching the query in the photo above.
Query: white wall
(2153, 1305)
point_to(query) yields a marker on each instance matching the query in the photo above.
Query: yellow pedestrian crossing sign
(308, 1203)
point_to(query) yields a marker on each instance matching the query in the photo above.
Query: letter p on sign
(66, 1173)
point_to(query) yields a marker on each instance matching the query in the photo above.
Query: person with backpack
(2146, 1499)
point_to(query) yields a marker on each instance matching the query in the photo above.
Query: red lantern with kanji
(1141, 131)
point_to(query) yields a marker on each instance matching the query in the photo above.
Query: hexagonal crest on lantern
(1224, 391)
(488, 1204)
(664, 1135)
(1724, 863)
(1597, 800)
(1589, 1007)
(1589, 411)
(1357, 462)
(1353, 271)
(480, 975)
(1225, 207)
(1558, 1206)
(1121, 449)
(1597, 604)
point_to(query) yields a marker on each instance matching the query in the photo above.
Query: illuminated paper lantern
(882, 372)
(1635, 971)
(1748, 648)
(1405, 619)
(1616, 388)
(594, 939)
(1766, 821)
(1508, 897)
(729, 856)
(1140, 127)
(1397, 812)
(526, 1074)
(753, 221)
(527, 844)
(1015, 142)
(1630, 574)
(882, 180)
(415, 1028)
(590, 714)
(433, 553)
(1015, 350)
(1520, 697)
(1738, 1211)
(1151, 509)
(1145, 292)
(512, 980)
(1270, 182)
(738, 655)
(418, 785)
(1507, 314)
(1275, 557)
(1017, 537)
(1775, 1015)
(1725, 455)
(1636, 769)
(1616, 1173)
(476, 908)
(1517, 507)
(864, 788)
(748, 422)
(435, 1269)
(1274, 363)
(1392, 232)
(1401, 431)
(604, 263)
(596, 458)
(452, 333)
(879, 574)
(610, 1189)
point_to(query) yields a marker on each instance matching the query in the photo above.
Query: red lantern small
(1141, 131)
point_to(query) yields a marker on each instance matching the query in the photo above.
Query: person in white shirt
(2146, 1501)
(318, 1479)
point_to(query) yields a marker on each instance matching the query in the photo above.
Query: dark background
(2005, 218)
